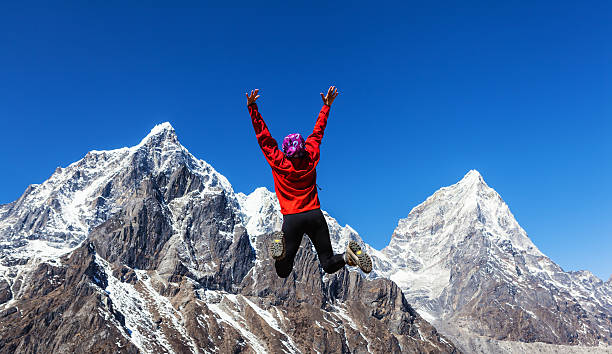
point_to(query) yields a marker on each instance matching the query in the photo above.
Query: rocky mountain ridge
(486, 269)
(148, 249)
(468, 267)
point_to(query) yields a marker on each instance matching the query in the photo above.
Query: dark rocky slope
(167, 266)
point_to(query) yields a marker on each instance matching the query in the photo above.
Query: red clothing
(294, 179)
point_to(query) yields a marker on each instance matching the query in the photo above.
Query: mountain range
(149, 249)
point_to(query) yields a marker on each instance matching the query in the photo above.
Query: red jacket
(294, 179)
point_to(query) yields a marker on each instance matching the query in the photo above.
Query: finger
(256, 91)
(323, 97)
(256, 97)
(329, 90)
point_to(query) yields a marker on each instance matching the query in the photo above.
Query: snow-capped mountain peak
(458, 256)
(260, 212)
(161, 133)
(62, 210)
(473, 176)
(471, 187)
(466, 217)
(469, 203)
(165, 126)
(454, 253)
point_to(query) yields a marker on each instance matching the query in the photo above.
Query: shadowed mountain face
(147, 249)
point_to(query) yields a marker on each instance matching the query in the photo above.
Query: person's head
(294, 146)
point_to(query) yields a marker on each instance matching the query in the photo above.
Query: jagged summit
(163, 132)
(470, 194)
(472, 182)
(461, 255)
(159, 260)
(164, 128)
(161, 127)
(465, 220)
(470, 204)
(62, 210)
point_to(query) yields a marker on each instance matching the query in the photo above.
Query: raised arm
(314, 140)
(268, 144)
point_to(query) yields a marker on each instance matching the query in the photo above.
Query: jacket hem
(300, 210)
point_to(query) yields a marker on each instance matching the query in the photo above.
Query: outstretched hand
(332, 93)
(252, 97)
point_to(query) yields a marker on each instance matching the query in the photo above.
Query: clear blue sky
(429, 90)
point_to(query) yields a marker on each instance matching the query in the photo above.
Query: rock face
(147, 249)
(468, 267)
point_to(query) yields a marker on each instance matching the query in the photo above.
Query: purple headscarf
(294, 145)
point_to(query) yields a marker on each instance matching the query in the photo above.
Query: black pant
(313, 224)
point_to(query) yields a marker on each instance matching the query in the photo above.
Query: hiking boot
(356, 257)
(276, 247)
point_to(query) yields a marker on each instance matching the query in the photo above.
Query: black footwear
(276, 247)
(356, 257)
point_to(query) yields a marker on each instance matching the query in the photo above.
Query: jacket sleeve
(268, 144)
(314, 140)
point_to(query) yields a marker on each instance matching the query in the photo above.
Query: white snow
(418, 258)
(163, 306)
(65, 208)
(272, 322)
(233, 318)
(138, 319)
(74, 200)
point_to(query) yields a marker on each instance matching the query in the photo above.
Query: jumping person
(295, 177)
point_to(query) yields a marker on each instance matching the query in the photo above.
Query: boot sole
(276, 247)
(364, 261)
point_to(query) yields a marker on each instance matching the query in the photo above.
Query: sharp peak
(162, 131)
(473, 177)
(161, 127)
(471, 183)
